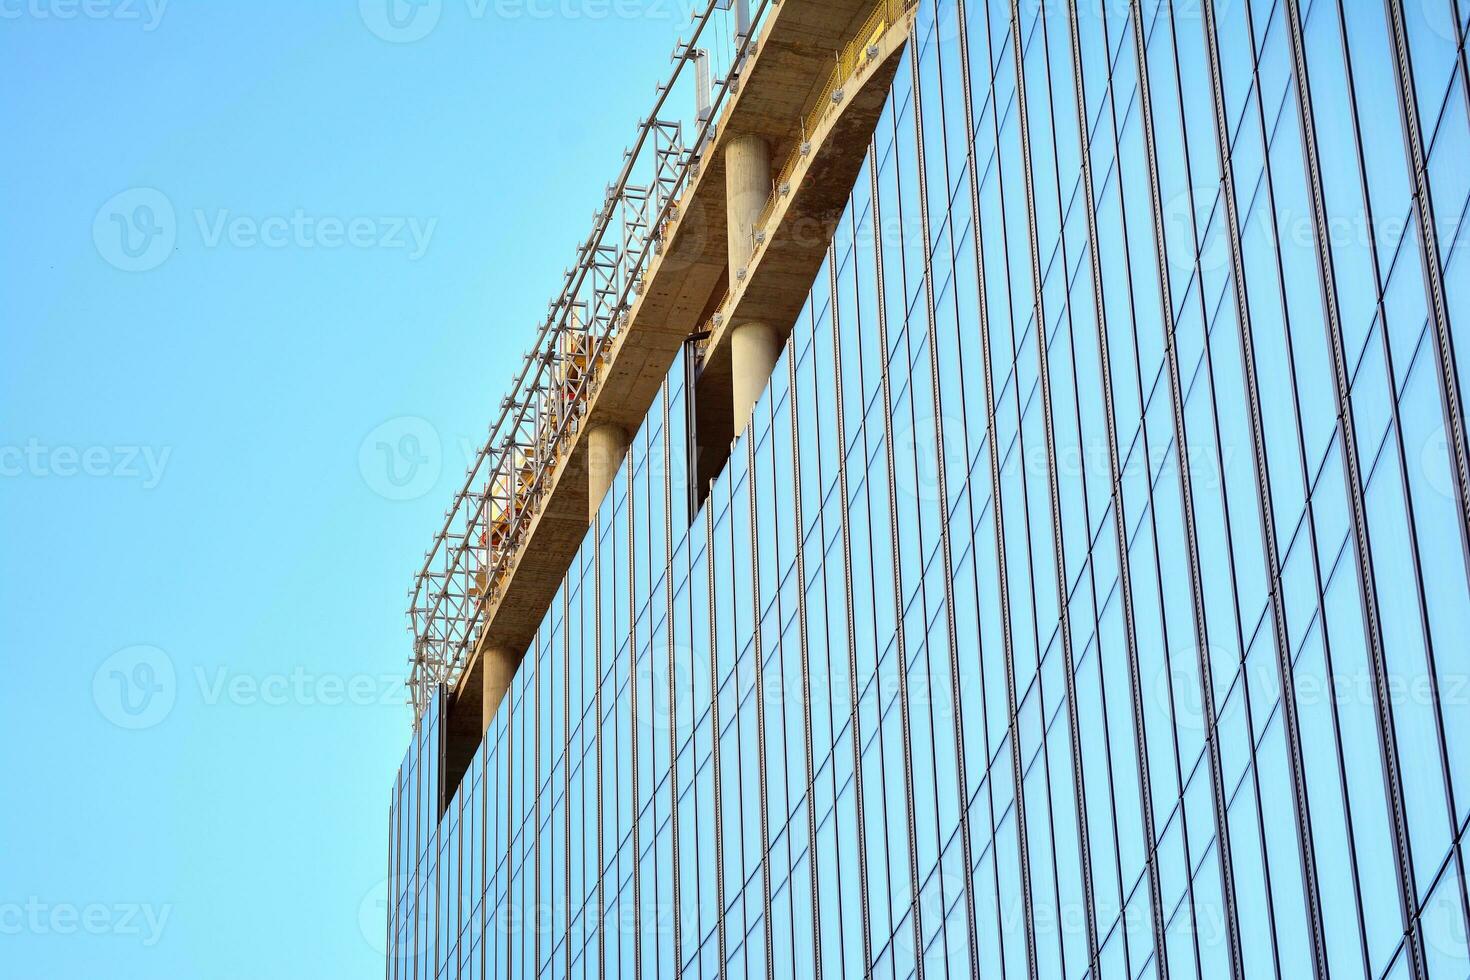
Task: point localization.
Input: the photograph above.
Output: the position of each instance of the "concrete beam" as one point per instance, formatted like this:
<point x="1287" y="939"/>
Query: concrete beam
<point x="790" y="63"/>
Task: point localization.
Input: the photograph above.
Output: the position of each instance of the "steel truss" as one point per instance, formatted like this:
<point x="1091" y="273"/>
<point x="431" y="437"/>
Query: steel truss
<point x="473" y="554"/>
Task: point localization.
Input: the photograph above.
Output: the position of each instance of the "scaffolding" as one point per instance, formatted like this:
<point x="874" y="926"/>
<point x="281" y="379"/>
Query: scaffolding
<point x="474" y="553"/>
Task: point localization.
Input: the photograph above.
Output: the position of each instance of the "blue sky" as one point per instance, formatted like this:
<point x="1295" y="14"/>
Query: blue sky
<point x="206" y="550"/>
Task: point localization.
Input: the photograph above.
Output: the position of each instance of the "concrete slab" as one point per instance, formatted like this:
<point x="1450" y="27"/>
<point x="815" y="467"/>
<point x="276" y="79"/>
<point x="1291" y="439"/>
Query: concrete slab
<point x="792" y="62"/>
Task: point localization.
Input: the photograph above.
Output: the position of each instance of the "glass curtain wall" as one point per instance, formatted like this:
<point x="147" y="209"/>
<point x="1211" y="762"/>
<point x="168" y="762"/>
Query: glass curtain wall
<point x="1089" y="593"/>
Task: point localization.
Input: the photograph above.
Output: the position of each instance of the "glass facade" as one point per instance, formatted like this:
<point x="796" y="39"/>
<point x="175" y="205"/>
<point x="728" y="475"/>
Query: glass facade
<point x="1088" y="595"/>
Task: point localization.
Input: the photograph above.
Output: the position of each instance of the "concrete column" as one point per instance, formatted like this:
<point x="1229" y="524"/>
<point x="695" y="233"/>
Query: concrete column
<point x="747" y="187"/>
<point x="607" y="444"/>
<point x="496" y="673"/>
<point x="754" y="348"/>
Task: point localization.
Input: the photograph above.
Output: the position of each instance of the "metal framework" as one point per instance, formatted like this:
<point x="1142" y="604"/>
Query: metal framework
<point x="505" y="486"/>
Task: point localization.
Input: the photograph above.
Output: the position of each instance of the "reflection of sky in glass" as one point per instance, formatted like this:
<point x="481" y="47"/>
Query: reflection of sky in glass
<point x="903" y="603"/>
<point x="823" y="560"/>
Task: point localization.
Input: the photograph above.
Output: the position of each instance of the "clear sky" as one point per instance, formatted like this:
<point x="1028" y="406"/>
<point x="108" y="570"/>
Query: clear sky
<point x="267" y="268"/>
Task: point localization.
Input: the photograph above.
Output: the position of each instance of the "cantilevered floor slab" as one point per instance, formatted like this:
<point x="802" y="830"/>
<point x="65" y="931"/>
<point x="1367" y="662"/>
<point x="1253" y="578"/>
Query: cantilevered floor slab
<point x="779" y="275"/>
<point x="792" y="61"/>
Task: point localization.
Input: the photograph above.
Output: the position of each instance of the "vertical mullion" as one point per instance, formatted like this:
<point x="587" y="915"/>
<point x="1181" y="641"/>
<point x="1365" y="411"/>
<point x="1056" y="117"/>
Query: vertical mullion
<point x="824" y="625"/>
<point x="672" y="717"/>
<point x="1430" y="264"/>
<point x="714" y="710"/>
<point x="1207" y="685"/>
<point x="1136" y="686"/>
<point x="484" y="821"/>
<point x="597" y="738"/>
<point x="391" y="907"/>
<point x="861" y="445"/>
<point x="1400" y="453"/>
<point x="634" y="804"/>
<point x="1207" y="329"/>
<point x="900" y="645"/>
<point x="1262" y="473"/>
<point x="1003" y="583"/>
<point x="1001" y="556"/>
<point x="1266" y="514"/>
<point x="536" y="808"/>
<point x="852" y="678"/>
<point x="1460" y="58"/>
<point x="1125" y="576"/>
<point x="758" y="652"/>
<point x="1354" y="479"/>
<point x="510" y="824"/>
<point x="566" y="767"/>
<point x="806" y="673"/>
<point x="952" y="648"/>
<point x="1187" y="490"/>
<point x="1084" y="841"/>
<point x="1432" y="269"/>
<point x="982" y="307"/>
<point x="457" y="873"/>
<point x="1288" y="689"/>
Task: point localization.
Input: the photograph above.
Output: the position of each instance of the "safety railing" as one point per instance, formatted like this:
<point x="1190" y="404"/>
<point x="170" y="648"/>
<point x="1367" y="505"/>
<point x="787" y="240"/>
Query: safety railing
<point x="466" y="569"/>
<point x="854" y="58"/>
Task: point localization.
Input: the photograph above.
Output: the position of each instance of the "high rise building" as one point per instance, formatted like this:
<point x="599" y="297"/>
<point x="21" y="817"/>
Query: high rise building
<point x="990" y="503"/>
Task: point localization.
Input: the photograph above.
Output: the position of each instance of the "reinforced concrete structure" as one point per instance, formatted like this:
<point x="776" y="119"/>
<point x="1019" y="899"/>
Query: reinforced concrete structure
<point x="989" y="498"/>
